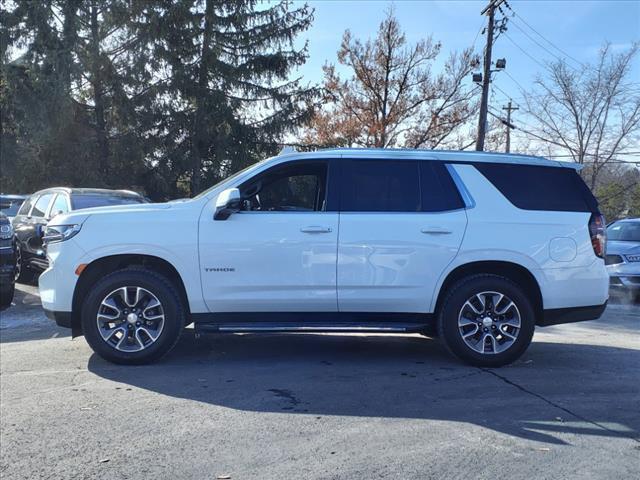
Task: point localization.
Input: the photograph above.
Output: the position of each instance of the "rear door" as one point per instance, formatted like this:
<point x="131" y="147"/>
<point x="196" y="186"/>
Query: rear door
<point x="401" y="224"/>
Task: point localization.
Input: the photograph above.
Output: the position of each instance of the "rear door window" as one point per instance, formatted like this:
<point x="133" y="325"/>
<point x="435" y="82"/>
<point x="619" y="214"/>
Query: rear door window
<point x="40" y="208"/>
<point x="439" y="192"/>
<point x="533" y="187"/>
<point x="380" y="186"/>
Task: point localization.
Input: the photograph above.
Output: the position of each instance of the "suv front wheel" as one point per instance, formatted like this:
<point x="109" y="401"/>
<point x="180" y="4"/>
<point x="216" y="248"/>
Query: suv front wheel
<point x="486" y="320"/>
<point x="132" y="316"/>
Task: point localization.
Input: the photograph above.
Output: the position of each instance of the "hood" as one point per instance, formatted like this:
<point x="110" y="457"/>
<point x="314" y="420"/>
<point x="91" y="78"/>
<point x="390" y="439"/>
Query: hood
<point x="80" y="216"/>
<point x="622" y="248"/>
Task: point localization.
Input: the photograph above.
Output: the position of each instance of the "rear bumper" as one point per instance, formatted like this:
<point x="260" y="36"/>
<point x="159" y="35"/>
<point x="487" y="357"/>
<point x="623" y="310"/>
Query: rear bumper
<point x="556" y="316"/>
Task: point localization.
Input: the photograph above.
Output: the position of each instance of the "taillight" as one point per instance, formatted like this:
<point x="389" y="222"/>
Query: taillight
<point x="598" y="234"/>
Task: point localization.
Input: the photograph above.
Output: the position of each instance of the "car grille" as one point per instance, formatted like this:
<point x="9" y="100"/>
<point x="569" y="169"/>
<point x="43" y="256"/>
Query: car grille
<point x="612" y="259"/>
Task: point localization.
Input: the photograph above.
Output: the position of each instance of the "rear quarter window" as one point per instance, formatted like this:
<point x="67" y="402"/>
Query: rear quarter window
<point x="531" y="187"/>
<point x="26" y="206"/>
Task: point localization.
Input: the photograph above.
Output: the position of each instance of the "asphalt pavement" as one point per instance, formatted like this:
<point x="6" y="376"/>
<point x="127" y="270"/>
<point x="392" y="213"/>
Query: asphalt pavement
<point x="313" y="406"/>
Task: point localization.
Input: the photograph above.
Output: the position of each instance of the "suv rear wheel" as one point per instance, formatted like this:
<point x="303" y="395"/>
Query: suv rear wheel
<point x="132" y="316"/>
<point x="487" y="320"/>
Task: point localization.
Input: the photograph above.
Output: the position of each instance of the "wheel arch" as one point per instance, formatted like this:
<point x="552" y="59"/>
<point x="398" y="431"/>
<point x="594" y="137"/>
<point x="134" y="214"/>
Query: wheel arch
<point x="100" y="267"/>
<point x="513" y="271"/>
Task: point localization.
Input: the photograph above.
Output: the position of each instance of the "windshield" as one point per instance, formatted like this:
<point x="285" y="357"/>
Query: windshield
<point x="89" y="201"/>
<point x="10" y="207"/>
<point x="228" y="179"/>
<point x="624" y="232"/>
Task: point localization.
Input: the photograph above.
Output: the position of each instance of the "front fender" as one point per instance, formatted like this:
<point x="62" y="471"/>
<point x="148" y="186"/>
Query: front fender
<point x="185" y="264"/>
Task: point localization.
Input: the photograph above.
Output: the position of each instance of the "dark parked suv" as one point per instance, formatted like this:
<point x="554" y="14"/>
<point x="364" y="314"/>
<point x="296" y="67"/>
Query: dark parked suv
<point x="7" y="261"/>
<point x="42" y="206"/>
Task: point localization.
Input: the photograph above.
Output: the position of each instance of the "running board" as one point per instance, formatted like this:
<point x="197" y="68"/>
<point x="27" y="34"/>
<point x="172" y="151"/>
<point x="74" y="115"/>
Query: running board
<point x="310" y="327"/>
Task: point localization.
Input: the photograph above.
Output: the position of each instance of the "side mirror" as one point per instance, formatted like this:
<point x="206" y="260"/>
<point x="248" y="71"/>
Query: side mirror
<point x="228" y="202"/>
<point x="39" y="231"/>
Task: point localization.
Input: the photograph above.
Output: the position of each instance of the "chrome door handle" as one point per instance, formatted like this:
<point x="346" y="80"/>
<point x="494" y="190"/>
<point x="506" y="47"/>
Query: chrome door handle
<point x="315" y="229"/>
<point x="435" y="231"/>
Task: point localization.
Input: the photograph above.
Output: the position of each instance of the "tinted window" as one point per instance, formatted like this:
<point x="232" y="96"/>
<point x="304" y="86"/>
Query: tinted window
<point x="439" y="192"/>
<point x="40" y="208"/>
<point x="10" y="207"/>
<point x="80" y="201"/>
<point x="59" y="205"/>
<point x="540" y="188"/>
<point x="380" y="186"/>
<point x="624" y="232"/>
<point x="26" y="206"/>
<point x="297" y="187"/>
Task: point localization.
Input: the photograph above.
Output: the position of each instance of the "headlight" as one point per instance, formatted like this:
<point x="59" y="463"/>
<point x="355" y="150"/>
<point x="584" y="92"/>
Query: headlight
<point x="6" y="231"/>
<point x="59" y="233"/>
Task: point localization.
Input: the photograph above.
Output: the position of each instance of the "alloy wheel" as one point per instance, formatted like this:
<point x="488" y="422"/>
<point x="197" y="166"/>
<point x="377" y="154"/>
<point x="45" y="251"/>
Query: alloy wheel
<point x="130" y="319"/>
<point x="489" y="322"/>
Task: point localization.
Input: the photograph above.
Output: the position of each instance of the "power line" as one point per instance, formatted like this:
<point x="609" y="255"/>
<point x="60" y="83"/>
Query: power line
<point x="544" y="38"/>
<point x="524" y="51"/>
<point x="522" y="89"/>
<point x="506" y="95"/>
<point x="473" y="45"/>
<point x="543" y="47"/>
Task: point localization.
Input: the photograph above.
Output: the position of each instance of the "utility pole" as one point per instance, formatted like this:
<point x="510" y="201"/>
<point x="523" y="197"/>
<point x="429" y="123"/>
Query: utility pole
<point x="509" y="125"/>
<point x="486" y="78"/>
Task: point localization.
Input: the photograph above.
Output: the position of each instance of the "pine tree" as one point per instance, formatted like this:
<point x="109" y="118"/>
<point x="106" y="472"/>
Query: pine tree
<point x="223" y="97"/>
<point x="66" y="97"/>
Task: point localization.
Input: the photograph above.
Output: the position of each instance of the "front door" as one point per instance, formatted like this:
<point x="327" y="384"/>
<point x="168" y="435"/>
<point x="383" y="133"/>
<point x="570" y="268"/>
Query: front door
<point x="279" y="253"/>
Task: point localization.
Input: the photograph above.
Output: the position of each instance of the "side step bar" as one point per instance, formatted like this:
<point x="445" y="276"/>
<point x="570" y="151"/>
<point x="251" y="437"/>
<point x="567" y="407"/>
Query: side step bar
<point x="310" y="327"/>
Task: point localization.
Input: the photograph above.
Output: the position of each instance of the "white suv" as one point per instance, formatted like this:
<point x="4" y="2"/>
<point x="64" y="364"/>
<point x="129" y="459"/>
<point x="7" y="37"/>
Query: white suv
<point x="475" y="248"/>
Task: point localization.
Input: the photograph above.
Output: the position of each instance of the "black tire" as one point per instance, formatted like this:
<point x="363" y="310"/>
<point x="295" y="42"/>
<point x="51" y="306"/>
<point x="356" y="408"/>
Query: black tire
<point x="23" y="275"/>
<point x="452" y="306"/>
<point x="6" y="295"/>
<point x="158" y="285"/>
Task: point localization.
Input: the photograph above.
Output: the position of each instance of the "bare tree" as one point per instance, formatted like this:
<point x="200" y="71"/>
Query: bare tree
<point x="392" y="96"/>
<point x="593" y="114"/>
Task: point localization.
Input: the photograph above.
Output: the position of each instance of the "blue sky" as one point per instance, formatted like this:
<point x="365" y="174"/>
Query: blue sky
<point x="577" y="27"/>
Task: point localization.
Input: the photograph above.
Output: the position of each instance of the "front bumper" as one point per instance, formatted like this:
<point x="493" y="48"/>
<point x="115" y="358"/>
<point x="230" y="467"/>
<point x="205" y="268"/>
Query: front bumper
<point x="622" y="282"/>
<point x="556" y="316"/>
<point x="7" y="264"/>
<point x="624" y="276"/>
<point x="62" y="319"/>
<point x="58" y="282"/>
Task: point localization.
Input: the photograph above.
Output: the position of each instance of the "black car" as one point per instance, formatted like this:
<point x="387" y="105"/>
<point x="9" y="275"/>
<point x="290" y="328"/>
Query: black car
<point x="7" y="261"/>
<point x="42" y="206"/>
<point x="10" y="204"/>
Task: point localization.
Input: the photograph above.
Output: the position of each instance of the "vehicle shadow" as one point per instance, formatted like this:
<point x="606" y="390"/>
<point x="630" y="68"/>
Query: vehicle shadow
<point x="554" y="390"/>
